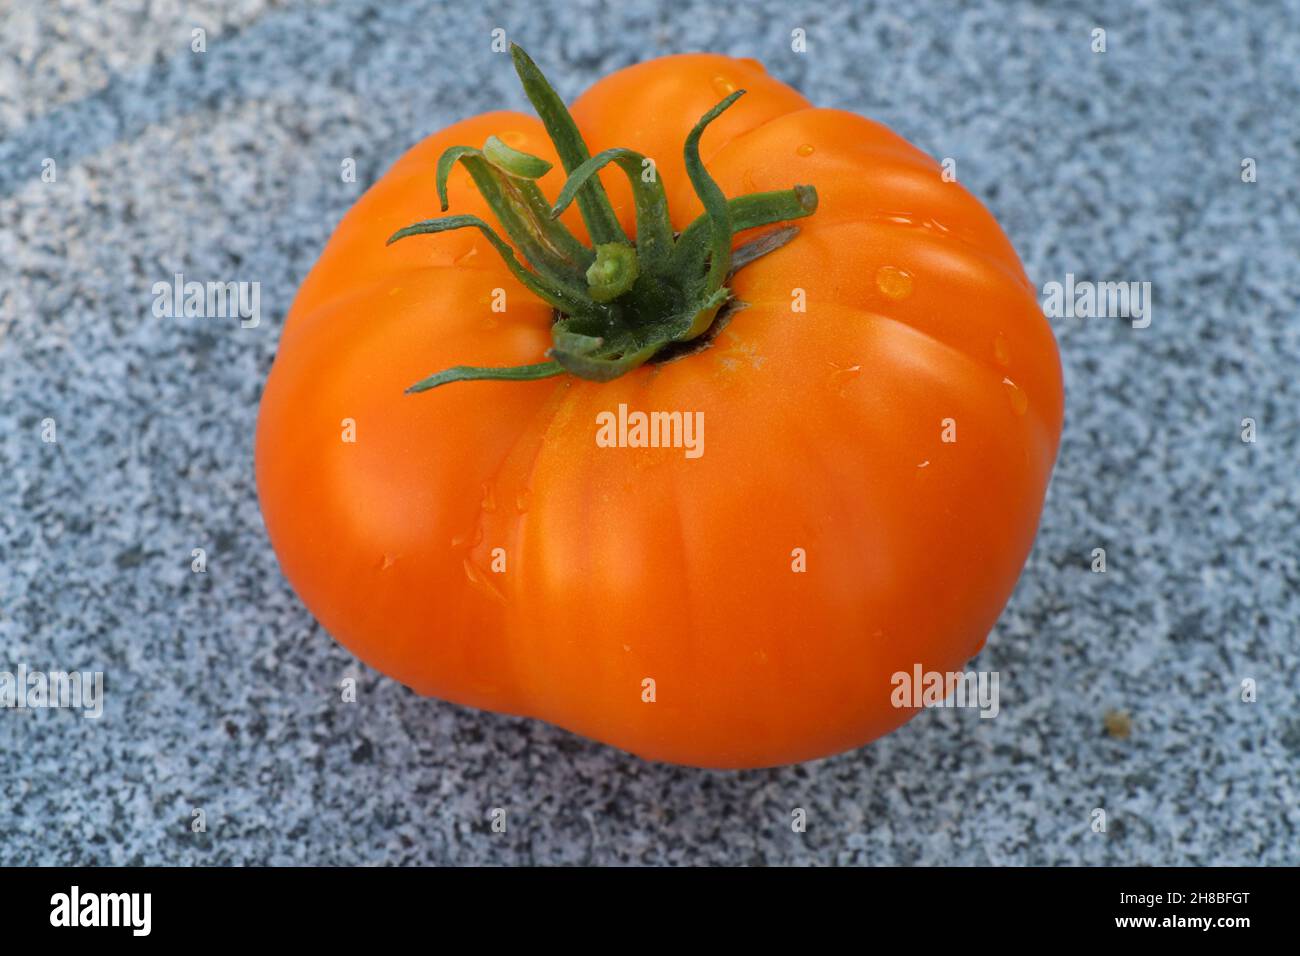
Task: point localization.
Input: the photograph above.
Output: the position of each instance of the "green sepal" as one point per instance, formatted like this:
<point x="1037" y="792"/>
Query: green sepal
<point x="593" y="203"/>
<point x="654" y="230"/>
<point x="472" y="373"/>
<point x="514" y="162"/>
<point x="564" y="299"/>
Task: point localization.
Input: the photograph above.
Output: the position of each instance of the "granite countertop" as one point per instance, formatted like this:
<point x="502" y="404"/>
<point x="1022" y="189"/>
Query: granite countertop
<point x="221" y="692"/>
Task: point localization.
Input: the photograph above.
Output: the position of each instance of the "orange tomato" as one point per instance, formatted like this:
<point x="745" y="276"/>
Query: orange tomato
<point x="746" y="607"/>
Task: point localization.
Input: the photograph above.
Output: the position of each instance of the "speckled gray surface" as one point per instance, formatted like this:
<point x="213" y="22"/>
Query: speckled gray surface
<point x="222" y="691"/>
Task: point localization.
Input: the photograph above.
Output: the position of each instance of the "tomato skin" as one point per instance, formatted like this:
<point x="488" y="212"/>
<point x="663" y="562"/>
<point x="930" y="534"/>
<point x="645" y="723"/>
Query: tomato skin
<point x="823" y="432"/>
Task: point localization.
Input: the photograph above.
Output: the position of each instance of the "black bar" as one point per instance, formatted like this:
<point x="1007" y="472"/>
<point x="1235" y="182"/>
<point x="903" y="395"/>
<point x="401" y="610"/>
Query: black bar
<point x="332" y="905"/>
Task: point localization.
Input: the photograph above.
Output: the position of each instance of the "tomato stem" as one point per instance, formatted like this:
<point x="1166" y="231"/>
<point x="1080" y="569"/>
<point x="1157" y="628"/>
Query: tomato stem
<point x="621" y="304"/>
<point x="614" y="272"/>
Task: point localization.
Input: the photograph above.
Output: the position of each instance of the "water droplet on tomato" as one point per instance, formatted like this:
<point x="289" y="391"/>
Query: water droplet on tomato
<point x="522" y="500"/>
<point x="1001" y="351"/>
<point x="723" y="85"/>
<point x="806" y="149"/>
<point x="894" y="282"/>
<point x="1019" y="400"/>
<point x="489" y="502"/>
<point x="842" y="376"/>
<point x="461" y="540"/>
<point x="513" y="138"/>
<point x="483" y="581"/>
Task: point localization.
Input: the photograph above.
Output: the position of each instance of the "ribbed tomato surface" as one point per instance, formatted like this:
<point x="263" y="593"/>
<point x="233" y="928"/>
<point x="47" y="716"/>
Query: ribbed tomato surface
<point x="824" y="437"/>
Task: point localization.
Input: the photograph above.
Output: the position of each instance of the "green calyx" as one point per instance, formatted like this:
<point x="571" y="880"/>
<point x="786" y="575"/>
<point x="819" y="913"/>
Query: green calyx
<point x="623" y="302"/>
